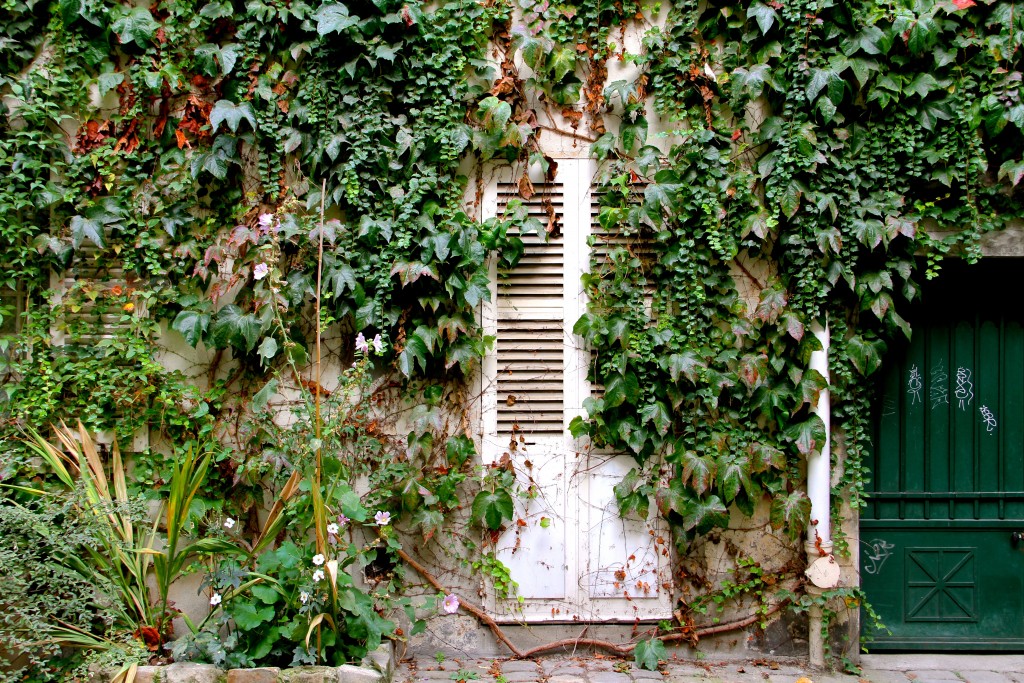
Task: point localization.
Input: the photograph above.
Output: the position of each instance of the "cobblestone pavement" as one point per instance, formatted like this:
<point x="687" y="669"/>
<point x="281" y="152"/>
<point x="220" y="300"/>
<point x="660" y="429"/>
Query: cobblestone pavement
<point x="594" y="669"/>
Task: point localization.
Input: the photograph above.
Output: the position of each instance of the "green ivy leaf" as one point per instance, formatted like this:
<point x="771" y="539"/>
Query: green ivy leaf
<point x="83" y="228"/>
<point x="648" y="653"/>
<point x="137" y="26"/>
<point x="773" y="301"/>
<point x="430" y="522"/>
<point x="232" y="114"/>
<point x="229" y="55"/>
<point x="658" y="414"/>
<point x="192" y="325"/>
<point x="789" y="201"/>
<point x="236" y="328"/>
<point x="704" y="514"/>
<point x="698" y="470"/>
<point x="621" y="388"/>
<point x="764" y="15"/>
<point x="686" y="364"/>
<point x="923" y="34"/>
<point x="672" y="498"/>
<point x="108" y="80"/>
<point x="333" y="18"/>
<point x="633" y="133"/>
<point x="764" y="458"/>
<point x="217" y="159"/>
<point x="492" y="508"/>
<point x="733" y="475"/>
<point x="633" y="495"/>
<point x="790" y="511"/>
<point x="809" y="435"/>
<point x="865" y="354"/>
<point x="494" y="113"/>
<point x="604" y="146"/>
<point x="563" y="61"/>
<point x="414" y="354"/>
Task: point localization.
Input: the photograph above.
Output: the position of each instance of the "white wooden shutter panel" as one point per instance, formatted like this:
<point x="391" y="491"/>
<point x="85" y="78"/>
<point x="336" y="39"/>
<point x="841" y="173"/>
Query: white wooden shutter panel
<point x="626" y="567"/>
<point x="573" y="557"/>
<point x="638" y="244"/>
<point x="531" y="328"/>
<point x="528" y="401"/>
<point x="85" y="320"/>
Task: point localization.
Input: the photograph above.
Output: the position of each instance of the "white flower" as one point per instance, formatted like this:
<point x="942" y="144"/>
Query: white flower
<point x="215" y="599"/>
<point x="318" y="575"/>
<point x="450" y="604"/>
<point x="362" y="345"/>
<point x="303" y="597"/>
<point x="318" y="559"/>
<point x="266" y="220"/>
<point x="260" y="271"/>
<point x="382" y="518"/>
<point x="229" y="523"/>
<point x="332" y="528"/>
<point x="378" y="344"/>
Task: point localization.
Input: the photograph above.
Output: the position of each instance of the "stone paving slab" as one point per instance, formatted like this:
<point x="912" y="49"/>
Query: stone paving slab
<point x="589" y="668"/>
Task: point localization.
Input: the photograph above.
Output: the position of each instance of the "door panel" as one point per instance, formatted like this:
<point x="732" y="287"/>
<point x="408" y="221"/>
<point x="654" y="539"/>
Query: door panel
<point x="938" y="559"/>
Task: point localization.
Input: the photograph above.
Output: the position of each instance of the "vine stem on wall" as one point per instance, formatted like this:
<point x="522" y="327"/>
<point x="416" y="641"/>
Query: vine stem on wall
<point x="623" y="649"/>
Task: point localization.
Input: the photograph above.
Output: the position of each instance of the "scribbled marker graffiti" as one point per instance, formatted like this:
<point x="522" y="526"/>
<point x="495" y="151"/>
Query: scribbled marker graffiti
<point x="964" y="388"/>
<point x="988" y="418"/>
<point x="915" y="385"/>
<point x="938" y="392"/>
<point x="876" y="557"/>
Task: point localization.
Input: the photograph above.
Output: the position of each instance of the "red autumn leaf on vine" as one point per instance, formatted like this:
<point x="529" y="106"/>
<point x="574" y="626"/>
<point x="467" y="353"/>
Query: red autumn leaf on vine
<point x="129" y="140"/>
<point x="407" y="16"/>
<point x="964" y="4"/>
<point x="93" y="134"/>
<point x="195" y="117"/>
<point x="736" y="134"/>
<point x="183" y="142"/>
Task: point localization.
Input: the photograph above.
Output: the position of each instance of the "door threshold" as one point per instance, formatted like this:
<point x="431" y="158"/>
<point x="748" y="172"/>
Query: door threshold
<point x="1004" y="663"/>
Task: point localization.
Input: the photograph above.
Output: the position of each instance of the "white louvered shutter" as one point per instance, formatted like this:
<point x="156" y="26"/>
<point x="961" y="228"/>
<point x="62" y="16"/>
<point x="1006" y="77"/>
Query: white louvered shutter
<point x="567" y="547"/>
<point x="626" y="562"/>
<point x="87" y="319"/>
<point x="532" y="383"/>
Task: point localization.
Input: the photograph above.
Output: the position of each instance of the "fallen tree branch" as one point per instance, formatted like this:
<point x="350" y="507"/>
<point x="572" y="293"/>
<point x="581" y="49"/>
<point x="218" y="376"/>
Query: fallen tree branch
<point x="622" y="649"/>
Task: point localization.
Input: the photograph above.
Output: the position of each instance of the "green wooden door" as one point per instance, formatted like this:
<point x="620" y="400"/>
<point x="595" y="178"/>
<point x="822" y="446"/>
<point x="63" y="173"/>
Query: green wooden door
<point x="938" y="557"/>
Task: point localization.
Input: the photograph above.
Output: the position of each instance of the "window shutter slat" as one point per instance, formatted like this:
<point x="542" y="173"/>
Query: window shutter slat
<point x="530" y="327"/>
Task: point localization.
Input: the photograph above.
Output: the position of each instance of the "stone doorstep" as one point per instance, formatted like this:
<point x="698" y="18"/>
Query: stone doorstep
<point x="377" y="667"/>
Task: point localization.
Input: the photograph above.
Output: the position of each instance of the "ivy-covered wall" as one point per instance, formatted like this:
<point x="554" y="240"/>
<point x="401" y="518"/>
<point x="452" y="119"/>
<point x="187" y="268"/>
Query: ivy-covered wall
<point x="197" y="168"/>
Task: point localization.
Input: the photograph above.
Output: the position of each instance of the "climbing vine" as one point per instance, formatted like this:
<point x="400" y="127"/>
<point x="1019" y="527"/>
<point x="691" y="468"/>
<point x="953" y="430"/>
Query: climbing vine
<point x="211" y="169"/>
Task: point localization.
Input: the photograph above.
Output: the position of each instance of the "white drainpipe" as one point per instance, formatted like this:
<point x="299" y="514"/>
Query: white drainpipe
<point x="819" y="484"/>
<point x="822" y="570"/>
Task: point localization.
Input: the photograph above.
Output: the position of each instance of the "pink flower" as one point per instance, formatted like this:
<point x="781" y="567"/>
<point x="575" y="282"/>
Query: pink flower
<point x="450" y="604"/>
<point x="260" y="271"/>
<point x="362" y="345"/>
<point x="378" y="344"/>
<point x="266" y="220"/>
<point x="382" y="518"/>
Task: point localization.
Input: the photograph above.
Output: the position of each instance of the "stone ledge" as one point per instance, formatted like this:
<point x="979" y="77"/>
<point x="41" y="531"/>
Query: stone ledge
<point x="377" y="667"/>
